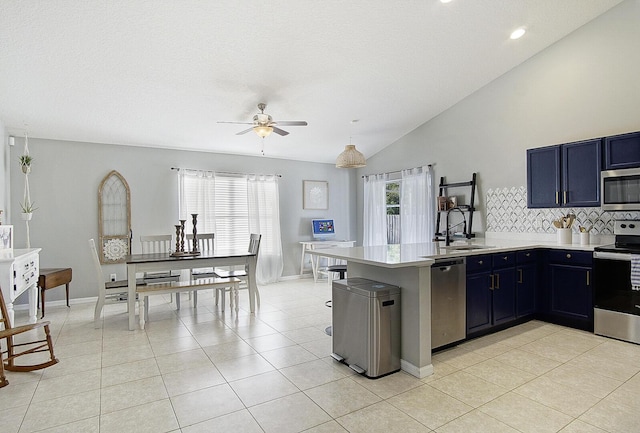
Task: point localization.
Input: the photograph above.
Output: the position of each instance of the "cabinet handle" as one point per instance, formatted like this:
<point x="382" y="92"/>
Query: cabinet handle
<point x="497" y="281"/>
<point x="519" y="276"/>
<point x="568" y="255"/>
<point x="505" y="258"/>
<point x="480" y="262"/>
<point x="588" y="278"/>
<point x="564" y="197"/>
<point x="557" y="197"/>
<point x="527" y="254"/>
<point x="491" y="284"/>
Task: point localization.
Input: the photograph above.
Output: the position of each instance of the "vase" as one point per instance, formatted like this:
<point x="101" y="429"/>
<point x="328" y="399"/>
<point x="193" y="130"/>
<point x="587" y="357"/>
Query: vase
<point x="26" y="169"/>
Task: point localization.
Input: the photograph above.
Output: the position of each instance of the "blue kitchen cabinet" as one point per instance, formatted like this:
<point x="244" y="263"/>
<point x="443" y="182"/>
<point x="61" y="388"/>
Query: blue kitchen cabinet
<point x="527" y="269"/>
<point x="622" y="151"/>
<point x="479" y="298"/>
<point x="569" y="297"/>
<point x="490" y="291"/>
<point x="543" y="177"/>
<point x="566" y="175"/>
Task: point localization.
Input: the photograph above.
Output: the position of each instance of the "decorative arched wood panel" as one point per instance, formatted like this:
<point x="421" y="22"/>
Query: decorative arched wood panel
<point x="114" y="215"/>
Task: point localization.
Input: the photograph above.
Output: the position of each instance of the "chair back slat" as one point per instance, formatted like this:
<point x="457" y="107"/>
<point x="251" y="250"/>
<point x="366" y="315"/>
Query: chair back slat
<point x="96" y="262"/>
<point x="205" y="241"/>
<point x="155" y="244"/>
<point x="254" y="243"/>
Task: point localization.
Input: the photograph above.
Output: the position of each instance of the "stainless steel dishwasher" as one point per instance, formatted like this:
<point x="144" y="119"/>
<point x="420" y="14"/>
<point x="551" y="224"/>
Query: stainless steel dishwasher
<point x="448" y="301"/>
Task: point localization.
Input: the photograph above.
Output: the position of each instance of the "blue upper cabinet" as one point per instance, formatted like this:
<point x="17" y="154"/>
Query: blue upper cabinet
<point x="622" y="151"/>
<point x="566" y="175"/>
<point x="581" y="165"/>
<point x="543" y="177"/>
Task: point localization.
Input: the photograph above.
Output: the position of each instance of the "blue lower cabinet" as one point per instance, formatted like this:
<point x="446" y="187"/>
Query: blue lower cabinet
<point x="569" y="294"/>
<point x="479" y="311"/>
<point x="526" y="293"/>
<point x="490" y="291"/>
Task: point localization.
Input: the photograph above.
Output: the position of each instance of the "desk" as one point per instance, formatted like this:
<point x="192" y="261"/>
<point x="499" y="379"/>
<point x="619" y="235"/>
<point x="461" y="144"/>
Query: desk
<point x="163" y="261"/>
<point x="19" y="270"/>
<point x="50" y="278"/>
<point x="308" y="246"/>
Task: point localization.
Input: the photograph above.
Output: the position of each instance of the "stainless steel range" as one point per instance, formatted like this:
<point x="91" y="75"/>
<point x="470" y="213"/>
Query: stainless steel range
<point x="616" y="303"/>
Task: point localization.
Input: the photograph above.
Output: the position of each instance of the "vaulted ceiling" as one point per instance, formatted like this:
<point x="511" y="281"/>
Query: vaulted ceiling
<point x="162" y="73"/>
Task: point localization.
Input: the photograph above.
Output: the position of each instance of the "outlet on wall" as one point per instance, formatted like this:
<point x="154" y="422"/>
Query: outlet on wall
<point x="112" y="277"/>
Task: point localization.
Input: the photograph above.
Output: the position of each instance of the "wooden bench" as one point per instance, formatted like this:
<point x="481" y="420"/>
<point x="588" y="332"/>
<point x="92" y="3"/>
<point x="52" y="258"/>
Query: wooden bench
<point x="184" y="286"/>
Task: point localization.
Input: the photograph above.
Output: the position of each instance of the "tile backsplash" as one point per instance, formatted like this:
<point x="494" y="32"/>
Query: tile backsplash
<point x="507" y="212"/>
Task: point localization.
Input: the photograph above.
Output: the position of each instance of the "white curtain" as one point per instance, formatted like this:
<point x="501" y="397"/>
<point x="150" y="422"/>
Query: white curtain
<point x="375" y="209"/>
<point x="264" y="218"/>
<point x="196" y="195"/>
<point x="417" y="206"/>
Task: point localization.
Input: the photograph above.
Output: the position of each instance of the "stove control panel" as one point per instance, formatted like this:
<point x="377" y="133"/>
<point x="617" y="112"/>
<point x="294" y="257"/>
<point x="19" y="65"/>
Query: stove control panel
<point x="627" y="227"/>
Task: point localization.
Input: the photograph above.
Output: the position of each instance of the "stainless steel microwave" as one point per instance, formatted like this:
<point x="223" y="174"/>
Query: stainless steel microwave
<point x="620" y="189"/>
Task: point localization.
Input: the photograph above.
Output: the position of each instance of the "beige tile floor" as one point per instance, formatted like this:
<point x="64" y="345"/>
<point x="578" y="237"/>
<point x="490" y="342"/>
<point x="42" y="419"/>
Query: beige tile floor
<point x="201" y="370"/>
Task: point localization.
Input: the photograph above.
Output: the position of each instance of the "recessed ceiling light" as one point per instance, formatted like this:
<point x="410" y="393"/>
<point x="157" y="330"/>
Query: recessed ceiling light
<point x="517" y="33"/>
<point x="445" y="1"/>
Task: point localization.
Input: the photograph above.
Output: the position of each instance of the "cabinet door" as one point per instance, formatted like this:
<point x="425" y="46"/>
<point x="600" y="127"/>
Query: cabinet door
<point x="504" y="295"/>
<point x="622" y="151"/>
<point x="543" y="177"/>
<point x="478" y="302"/>
<point x="527" y="279"/>
<point x="581" y="165"/>
<point x="570" y="294"/>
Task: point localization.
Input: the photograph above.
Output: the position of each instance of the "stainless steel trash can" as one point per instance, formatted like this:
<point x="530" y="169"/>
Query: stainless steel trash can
<point x="366" y="326"/>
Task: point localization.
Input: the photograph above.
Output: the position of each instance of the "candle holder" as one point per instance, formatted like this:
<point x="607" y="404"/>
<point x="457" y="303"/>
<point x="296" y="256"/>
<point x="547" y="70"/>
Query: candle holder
<point x="182" y="235"/>
<point x="177" y="226"/>
<point x="194" y="217"/>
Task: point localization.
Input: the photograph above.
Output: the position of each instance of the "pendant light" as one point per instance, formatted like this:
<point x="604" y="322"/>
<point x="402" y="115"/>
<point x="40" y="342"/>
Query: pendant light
<point x="350" y="156"/>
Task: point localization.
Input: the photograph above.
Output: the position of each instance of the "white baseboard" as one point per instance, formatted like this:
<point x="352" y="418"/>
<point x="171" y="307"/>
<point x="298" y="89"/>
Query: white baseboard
<point x="418" y="372"/>
<point x="63" y="302"/>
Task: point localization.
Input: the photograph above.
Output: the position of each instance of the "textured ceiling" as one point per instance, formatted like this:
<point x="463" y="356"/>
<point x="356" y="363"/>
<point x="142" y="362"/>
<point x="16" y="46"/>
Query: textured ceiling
<point x="161" y="73"/>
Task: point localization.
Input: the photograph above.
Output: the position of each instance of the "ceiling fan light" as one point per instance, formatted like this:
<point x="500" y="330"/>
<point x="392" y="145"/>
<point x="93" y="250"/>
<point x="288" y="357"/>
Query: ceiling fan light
<point x="351" y="158"/>
<point x="263" y="131"/>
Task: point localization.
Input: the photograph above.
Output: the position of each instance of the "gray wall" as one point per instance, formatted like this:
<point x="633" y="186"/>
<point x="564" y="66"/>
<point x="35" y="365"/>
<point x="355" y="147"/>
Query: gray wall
<point x="4" y="175"/>
<point x="64" y="186"/>
<point x="584" y="86"/>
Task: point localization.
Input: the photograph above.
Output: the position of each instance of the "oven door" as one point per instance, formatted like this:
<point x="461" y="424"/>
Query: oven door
<point x="612" y="283"/>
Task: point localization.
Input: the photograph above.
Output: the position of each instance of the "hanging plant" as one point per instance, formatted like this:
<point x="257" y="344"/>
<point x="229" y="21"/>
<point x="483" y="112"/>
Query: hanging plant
<point x="25" y="163"/>
<point x="28" y="207"/>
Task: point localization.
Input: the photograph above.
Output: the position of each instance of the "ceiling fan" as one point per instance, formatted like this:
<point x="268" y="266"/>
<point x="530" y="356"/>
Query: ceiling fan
<point x="263" y="124"/>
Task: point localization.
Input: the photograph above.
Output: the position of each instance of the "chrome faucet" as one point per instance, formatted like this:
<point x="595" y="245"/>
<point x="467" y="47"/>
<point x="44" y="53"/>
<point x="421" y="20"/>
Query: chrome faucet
<point x="447" y="236"/>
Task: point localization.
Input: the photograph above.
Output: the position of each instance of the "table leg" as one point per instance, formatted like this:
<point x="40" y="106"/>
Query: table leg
<point x="67" y="299"/>
<point x="42" y="301"/>
<point x="251" y="283"/>
<point x="131" y="295"/>
<point x="33" y="304"/>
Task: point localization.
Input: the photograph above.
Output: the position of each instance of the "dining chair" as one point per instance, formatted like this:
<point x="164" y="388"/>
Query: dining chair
<point x="112" y="291"/>
<point x="158" y="244"/>
<point x="205" y="243"/>
<point x="254" y="248"/>
<point x="8" y="333"/>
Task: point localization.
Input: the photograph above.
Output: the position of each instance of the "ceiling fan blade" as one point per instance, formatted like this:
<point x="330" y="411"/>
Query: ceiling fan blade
<point x="237" y="123"/>
<point x="244" y="132"/>
<point x="291" y="123"/>
<point x="279" y="131"/>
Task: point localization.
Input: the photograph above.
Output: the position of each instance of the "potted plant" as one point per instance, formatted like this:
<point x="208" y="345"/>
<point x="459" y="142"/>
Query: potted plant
<point x="27" y="210"/>
<point x="25" y="163"/>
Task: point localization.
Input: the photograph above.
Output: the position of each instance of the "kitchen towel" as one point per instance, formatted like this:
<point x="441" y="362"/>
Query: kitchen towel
<point x="635" y="272"/>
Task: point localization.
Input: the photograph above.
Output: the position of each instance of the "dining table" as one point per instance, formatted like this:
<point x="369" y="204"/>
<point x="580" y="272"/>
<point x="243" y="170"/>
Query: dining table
<point x="150" y="262"/>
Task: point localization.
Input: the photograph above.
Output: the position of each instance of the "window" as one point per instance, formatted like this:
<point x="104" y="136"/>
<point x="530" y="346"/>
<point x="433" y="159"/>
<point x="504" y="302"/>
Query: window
<point x="393" y="211"/>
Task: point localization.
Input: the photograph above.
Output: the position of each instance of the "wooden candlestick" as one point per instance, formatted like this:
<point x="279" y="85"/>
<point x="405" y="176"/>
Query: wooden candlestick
<point x="182" y="235"/>
<point x="194" y="217"/>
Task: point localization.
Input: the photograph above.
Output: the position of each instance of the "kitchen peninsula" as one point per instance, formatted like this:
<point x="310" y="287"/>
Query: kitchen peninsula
<point x="409" y="267"/>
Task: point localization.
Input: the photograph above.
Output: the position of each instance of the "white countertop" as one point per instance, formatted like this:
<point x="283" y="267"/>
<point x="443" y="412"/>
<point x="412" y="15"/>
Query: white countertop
<point x="403" y="255"/>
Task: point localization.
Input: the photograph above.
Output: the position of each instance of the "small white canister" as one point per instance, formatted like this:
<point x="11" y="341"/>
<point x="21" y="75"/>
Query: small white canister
<point x="585" y="238"/>
<point x="564" y="236"/>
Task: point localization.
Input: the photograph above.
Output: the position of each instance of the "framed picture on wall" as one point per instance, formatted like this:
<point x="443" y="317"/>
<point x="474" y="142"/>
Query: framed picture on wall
<point x="315" y="194"/>
<point x="6" y="237"/>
